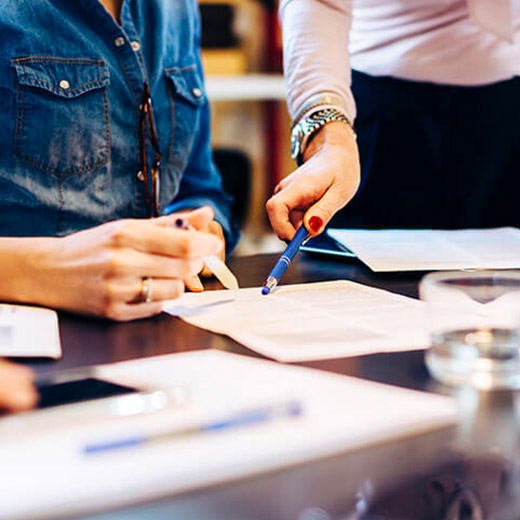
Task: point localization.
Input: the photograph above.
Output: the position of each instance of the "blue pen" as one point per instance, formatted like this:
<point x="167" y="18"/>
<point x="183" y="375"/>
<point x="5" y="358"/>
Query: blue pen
<point x="245" y="418"/>
<point x="284" y="261"/>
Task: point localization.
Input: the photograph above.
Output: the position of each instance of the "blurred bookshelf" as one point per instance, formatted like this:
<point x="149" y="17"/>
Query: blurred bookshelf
<point x="241" y="55"/>
<point x="245" y="87"/>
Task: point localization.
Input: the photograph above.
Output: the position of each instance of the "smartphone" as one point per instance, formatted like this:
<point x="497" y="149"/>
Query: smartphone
<point x="78" y="391"/>
<point x="84" y="396"/>
<point x="324" y="244"/>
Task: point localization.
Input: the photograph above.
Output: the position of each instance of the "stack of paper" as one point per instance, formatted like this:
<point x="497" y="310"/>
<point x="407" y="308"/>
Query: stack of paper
<point x="309" y="321"/>
<point x="49" y="475"/>
<point x="428" y="250"/>
<point x="28" y="332"/>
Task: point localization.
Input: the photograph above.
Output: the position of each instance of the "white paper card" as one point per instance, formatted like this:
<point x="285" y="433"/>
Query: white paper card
<point x="29" y="332"/>
<point x="48" y="475"/>
<point x="309" y="321"/>
<point x="430" y="250"/>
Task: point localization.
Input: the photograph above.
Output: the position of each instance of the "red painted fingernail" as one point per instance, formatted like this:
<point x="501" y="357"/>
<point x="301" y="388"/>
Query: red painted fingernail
<point x="315" y="224"/>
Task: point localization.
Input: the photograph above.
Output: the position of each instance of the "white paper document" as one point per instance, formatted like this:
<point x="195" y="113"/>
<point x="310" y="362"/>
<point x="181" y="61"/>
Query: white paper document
<point x="28" y="332"/>
<point x="309" y="321"/>
<point x="430" y="250"/>
<point x="48" y="475"/>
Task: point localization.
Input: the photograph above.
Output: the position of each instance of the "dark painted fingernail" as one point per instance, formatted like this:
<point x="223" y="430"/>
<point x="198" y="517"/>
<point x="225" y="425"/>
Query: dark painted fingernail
<point x="315" y="224"/>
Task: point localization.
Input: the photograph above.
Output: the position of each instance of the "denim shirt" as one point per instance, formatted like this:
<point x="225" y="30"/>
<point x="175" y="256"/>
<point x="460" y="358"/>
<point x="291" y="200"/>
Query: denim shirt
<point x="71" y="83"/>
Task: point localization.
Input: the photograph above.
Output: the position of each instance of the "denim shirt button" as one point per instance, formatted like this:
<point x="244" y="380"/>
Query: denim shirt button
<point x="140" y="175"/>
<point x="64" y="84"/>
<point x="197" y="92"/>
<point x="136" y="46"/>
<point x="119" y="42"/>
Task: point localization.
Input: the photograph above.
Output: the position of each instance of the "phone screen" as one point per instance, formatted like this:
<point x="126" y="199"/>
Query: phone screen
<point x="325" y="244"/>
<point x="79" y="390"/>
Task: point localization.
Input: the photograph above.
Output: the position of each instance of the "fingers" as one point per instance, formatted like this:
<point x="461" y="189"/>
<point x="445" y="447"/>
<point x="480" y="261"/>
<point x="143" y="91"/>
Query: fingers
<point x="17" y="391"/>
<point x="280" y="209"/>
<point x="194" y="284"/>
<point x="320" y="187"/>
<point x="105" y="266"/>
<point x="199" y="218"/>
<point x="334" y="198"/>
<point x="121" y="311"/>
<point x="151" y="237"/>
<point x="124" y="298"/>
<point x="296" y="217"/>
<point x="320" y="213"/>
<point x="127" y="263"/>
<point x="130" y="290"/>
<point x="216" y="229"/>
<point x="181" y="243"/>
<point x="284" y="183"/>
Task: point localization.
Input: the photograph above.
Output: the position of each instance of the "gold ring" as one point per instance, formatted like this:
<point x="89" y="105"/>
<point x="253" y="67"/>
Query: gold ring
<point x="146" y="290"/>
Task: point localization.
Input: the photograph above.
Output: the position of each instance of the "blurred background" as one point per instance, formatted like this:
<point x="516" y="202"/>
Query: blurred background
<point x="242" y="58"/>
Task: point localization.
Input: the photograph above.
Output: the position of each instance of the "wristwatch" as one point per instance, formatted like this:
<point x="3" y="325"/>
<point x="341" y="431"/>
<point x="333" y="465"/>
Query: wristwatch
<point x="306" y="127"/>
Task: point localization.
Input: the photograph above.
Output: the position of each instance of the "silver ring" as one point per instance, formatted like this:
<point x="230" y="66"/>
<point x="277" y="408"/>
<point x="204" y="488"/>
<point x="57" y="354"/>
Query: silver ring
<point x="146" y="290"/>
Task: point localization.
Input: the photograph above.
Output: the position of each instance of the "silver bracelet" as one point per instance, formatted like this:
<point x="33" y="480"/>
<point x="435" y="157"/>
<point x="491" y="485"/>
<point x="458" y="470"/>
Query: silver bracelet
<point x="322" y="100"/>
<point x="308" y="126"/>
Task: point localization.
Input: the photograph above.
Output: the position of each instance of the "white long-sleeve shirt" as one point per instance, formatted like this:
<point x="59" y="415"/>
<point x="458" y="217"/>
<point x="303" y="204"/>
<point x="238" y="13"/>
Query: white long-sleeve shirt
<point x="434" y="41"/>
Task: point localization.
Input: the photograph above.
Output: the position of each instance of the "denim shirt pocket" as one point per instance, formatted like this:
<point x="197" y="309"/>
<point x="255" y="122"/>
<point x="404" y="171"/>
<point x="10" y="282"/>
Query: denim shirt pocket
<point x="186" y="97"/>
<point x="62" y="124"/>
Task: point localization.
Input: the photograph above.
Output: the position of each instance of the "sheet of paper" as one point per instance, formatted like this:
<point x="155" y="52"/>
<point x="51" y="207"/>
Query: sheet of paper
<point x="49" y="476"/>
<point x="309" y="321"/>
<point x="429" y="250"/>
<point x="29" y="332"/>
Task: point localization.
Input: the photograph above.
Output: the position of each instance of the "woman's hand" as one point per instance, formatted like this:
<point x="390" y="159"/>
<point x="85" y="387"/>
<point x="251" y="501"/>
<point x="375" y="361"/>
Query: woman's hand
<point x="326" y="181"/>
<point x="102" y="271"/>
<point x="17" y="391"/>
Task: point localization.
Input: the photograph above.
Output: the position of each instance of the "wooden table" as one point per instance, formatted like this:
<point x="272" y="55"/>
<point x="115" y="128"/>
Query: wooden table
<point x="486" y="441"/>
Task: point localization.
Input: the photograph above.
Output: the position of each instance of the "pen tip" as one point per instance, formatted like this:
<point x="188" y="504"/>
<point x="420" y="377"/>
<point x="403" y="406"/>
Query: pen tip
<point x="265" y="290"/>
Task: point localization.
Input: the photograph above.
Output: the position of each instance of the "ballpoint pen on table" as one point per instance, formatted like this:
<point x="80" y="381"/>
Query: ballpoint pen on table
<point x="289" y="409"/>
<point x="213" y="262"/>
<point x="284" y="261"/>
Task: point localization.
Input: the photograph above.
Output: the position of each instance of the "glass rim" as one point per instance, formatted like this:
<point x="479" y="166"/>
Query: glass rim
<point x="496" y="275"/>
